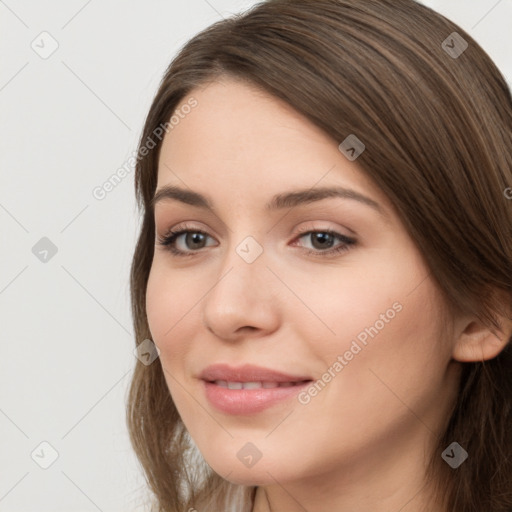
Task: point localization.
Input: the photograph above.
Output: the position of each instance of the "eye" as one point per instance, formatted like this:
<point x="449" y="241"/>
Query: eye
<point x="190" y="240"/>
<point x="322" y="242"/>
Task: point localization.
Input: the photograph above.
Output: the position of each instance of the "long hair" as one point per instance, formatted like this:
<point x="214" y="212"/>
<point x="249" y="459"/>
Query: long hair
<point x="435" y="115"/>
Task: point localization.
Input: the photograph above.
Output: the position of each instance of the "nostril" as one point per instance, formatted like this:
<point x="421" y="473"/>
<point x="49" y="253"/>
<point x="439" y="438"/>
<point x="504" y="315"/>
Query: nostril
<point x="249" y="327"/>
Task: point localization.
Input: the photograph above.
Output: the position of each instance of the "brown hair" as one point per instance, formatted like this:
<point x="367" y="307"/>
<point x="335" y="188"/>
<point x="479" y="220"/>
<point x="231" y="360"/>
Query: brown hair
<point x="438" y="133"/>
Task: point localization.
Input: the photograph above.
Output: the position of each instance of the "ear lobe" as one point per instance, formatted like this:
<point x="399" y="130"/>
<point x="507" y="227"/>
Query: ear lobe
<point x="478" y="343"/>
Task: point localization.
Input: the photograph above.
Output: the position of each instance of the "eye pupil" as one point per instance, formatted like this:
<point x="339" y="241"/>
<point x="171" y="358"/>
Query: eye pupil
<point x="324" y="239"/>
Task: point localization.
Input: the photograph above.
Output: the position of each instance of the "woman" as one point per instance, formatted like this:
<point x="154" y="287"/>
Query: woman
<point x="324" y="266"/>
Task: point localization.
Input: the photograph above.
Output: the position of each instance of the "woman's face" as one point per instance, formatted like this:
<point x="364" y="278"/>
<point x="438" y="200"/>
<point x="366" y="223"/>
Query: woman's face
<point x="327" y="290"/>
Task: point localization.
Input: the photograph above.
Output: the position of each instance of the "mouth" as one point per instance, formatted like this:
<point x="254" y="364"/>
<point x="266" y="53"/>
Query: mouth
<point x="256" y="385"/>
<point x="248" y="389"/>
<point x="248" y="374"/>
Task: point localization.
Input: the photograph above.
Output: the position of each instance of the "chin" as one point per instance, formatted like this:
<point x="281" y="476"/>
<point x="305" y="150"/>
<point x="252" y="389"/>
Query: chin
<point x="264" y="471"/>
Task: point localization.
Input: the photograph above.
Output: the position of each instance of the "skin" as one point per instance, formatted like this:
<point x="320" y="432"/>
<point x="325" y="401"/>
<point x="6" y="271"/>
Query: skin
<point x="362" y="443"/>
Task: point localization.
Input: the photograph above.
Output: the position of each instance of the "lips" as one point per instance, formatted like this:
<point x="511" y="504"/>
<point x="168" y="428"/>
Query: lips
<point x="248" y="389"/>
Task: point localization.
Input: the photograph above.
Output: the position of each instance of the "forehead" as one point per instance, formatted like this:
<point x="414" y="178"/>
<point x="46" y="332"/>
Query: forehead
<point x="241" y="138"/>
<point x="233" y="116"/>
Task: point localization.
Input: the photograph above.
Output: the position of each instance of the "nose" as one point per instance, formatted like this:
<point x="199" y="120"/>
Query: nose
<point x="243" y="300"/>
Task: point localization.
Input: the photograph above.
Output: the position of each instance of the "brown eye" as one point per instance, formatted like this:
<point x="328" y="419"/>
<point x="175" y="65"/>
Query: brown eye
<point x="184" y="242"/>
<point x="194" y="240"/>
<point x="322" y="242"/>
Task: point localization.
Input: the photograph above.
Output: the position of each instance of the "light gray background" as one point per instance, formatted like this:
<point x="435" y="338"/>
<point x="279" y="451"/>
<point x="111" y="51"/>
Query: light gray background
<point x="67" y="123"/>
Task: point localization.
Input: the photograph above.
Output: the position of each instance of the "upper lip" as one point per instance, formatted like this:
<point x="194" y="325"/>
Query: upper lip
<point x="247" y="373"/>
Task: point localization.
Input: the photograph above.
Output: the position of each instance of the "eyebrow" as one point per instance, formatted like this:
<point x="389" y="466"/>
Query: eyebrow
<point x="279" y="201"/>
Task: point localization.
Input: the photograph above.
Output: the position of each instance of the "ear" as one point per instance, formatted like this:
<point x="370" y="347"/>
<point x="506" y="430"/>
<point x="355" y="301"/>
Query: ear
<point x="476" y="342"/>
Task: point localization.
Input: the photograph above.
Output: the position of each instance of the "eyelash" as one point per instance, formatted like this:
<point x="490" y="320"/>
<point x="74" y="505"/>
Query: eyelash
<point x="168" y="241"/>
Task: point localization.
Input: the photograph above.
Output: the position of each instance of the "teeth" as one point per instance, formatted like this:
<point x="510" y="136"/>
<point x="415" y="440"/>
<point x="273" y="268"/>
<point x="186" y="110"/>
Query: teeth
<point x="253" y="385"/>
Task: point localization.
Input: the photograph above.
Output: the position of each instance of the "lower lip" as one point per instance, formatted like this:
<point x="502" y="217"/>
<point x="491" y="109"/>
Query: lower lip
<point x="248" y="401"/>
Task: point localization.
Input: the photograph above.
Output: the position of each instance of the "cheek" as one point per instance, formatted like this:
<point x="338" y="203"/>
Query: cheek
<point x="170" y="309"/>
<point x="351" y="299"/>
<point x="170" y="300"/>
<point x="383" y="319"/>
<point x="387" y="369"/>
